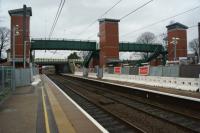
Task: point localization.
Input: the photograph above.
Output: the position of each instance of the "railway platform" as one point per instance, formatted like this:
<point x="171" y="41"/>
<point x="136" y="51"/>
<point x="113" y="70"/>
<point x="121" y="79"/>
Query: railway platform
<point x="165" y="90"/>
<point x="148" y="110"/>
<point x="43" y="107"/>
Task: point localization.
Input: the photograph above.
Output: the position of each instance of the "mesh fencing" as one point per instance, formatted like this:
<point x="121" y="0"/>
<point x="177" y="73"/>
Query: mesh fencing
<point x="6" y="74"/>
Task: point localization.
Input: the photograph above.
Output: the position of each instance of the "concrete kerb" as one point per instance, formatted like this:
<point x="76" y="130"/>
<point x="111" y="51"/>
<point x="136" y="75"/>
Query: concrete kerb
<point x="143" y="89"/>
<point x="190" y="84"/>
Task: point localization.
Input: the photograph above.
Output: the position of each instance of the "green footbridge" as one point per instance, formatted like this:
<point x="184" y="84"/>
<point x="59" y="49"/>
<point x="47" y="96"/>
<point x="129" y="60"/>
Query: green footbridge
<point x="93" y="48"/>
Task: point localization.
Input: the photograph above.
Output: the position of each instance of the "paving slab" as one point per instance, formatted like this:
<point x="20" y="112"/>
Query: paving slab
<point x="43" y="108"/>
<point x="18" y="114"/>
<point x="79" y="122"/>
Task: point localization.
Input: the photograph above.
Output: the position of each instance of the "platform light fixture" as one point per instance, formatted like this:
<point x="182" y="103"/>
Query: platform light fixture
<point x="175" y="42"/>
<point x="15" y="33"/>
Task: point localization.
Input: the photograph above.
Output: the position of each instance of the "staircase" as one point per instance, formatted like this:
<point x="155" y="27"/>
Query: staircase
<point x="156" y="53"/>
<point x="87" y="59"/>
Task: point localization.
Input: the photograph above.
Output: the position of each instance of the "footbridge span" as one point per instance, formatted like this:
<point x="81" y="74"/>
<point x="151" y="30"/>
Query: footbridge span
<point x="94" y="47"/>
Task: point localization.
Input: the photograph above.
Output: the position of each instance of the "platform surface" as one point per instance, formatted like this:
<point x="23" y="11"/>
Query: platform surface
<point x="170" y="91"/>
<point x="44" y="108"/>
<point x="19" y="112"/>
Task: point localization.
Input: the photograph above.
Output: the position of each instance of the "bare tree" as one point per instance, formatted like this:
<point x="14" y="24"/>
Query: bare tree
<point x="146" y="38"/>
<point x="194" y="45"/>
<point x="4" y="39"/>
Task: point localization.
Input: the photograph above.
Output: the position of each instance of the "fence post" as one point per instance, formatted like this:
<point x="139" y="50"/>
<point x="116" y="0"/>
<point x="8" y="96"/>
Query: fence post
<point x="199" y="83"/>
<point x="85" y="72"/>
<point x="100" y="73"/>
<point x="31" y="72"/>
<point x="13" y="78"/>
<point x="3" y="78"/>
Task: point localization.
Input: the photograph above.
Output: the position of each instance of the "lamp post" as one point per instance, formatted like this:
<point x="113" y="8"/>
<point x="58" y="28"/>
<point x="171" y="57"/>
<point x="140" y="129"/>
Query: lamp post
<point x="24" y="34"/>
<point x="199" y="40"/>
<point x="174" y="42"/>
<point x="15" y="33"/>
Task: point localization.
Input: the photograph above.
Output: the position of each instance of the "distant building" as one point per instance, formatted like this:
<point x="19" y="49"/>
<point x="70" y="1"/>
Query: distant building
<point x="17" y="21"/>
<point x="177" y="30"/>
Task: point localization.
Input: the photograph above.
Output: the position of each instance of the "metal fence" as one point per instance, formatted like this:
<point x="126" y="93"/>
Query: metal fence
<point x="23" y="77"/>
<point x="124" y="70"/>
<point x="165" y="71"/>
<point x="192" y="71"/>
<point x="35" y="71"/>
<point x="5" y="79"/>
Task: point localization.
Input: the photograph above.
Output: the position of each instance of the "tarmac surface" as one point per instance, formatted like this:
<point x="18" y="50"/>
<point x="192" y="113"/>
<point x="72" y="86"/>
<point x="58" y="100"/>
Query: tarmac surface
<point x="41" y="108"/>
<point x="18" y="114"/>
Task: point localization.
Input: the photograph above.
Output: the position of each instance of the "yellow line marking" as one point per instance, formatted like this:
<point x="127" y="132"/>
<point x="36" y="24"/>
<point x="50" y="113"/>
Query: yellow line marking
<point x="93" y="121"/>
<point x="63" y="123"/>
<point x="45" y="113"/>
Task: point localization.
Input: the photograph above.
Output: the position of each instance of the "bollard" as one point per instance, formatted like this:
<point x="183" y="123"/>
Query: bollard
<point x="100" y="73"/>
<point x="97" y="70"/>
<point x="85" y="72"/>
<point x="199" y="84"/>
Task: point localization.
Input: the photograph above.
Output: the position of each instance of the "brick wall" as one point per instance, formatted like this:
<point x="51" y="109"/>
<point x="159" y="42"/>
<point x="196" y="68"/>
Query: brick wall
<point x="109" y="41"/>
<point x="18" y="20"/>
<point x="181" y="47"/>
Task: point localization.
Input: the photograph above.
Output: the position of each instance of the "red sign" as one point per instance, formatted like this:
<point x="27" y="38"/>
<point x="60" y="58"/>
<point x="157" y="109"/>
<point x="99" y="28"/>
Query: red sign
<point x="144" y="70"/>
<point x="117" y="70"/>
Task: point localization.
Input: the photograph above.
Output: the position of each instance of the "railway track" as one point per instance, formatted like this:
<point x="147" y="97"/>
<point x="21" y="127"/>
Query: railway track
<point x="178" y="122"/>
<point x="108" y="120"/>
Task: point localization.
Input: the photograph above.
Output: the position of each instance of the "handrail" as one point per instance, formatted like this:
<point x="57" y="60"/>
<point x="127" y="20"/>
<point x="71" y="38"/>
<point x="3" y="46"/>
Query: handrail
<point x="56" y="60"/>
<point x="61" y="39"/>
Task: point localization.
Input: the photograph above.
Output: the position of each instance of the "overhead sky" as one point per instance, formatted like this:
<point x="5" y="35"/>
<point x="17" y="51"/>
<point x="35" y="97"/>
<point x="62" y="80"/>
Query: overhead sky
<point x="78" y="14"/>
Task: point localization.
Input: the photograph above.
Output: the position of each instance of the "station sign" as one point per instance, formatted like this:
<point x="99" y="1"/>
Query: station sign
<point x="144" y="70"/>
<point x="117" y="70"/>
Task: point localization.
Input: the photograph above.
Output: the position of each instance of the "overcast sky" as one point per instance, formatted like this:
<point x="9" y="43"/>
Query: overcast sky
<point x="78" y="14"/>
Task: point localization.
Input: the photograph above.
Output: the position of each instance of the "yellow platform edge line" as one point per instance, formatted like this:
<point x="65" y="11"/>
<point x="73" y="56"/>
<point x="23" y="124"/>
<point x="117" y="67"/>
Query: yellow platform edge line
<point x="45" y="112"/>
<point x="63" y="123"/>
<point x="100" y="127"/>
